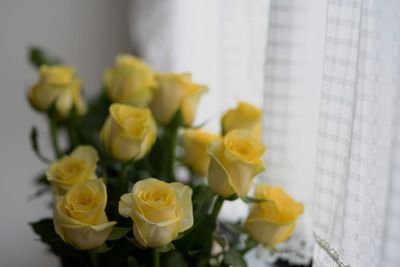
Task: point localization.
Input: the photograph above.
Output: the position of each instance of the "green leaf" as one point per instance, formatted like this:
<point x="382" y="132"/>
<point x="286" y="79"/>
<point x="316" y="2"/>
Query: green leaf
<point x="45" y="229"/>
<point x="118" y="233"/>
<point x="249" y="245"/>
<point x="175" y="259"/>
<point x="234" y="258"/>
<point x="199" y="234"/>
<point x="231" y="198"/>
<point x="102" y="249"/>
<point x="120" y="253"/>
<point x="202" y="194"/>
<point x="41" y="179"/>
<point x="132" y="262"/>
<point x="38" y="193"/>
<point x="166" y="248"/>
<point x="87" y="128"/>
<point x="251" y="200"/>
<point x="201" y="125"/>
<point x="235" y="228"/>
<point x="34" y="143"/>
<point x="38" y="57"/>
<point x="134" y="242"/>
<point x="202" y="200"/>
<point x="177" y="120"/>
<point x="44" y="185"/>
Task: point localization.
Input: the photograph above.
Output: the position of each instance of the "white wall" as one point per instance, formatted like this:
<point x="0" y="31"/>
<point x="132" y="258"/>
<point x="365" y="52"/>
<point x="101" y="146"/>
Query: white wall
<point x="87" y="34"/>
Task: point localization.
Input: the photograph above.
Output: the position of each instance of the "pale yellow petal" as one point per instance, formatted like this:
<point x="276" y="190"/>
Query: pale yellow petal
<point x="218" y="176"/>
<point x="267" y="233"/>
<point x="86" y="236"/>
<point x="156" y="235"/>
<point x="184" y="205"/>
<point x="125" y="148"/>
<point x="168" y="97"/>
<point x="190" y="103"/>
<point x="125" y="205"/>
<point x="241" y="175"/>
<point x="86" y="153"/>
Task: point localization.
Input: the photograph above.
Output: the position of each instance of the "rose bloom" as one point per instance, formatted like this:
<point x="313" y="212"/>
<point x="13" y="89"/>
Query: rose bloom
<point x="131" y="81"/>
<point x="235" y="161"/>
<point x="196" y="144"/>
<point x="129" y="132"/>
<point x="57" y="85"/>
<point x="77" y="167"/>
<point x="79" y="217"/>
<point x="272" y="221"/>
<point x="244" y="116"/>
<point x="160" y="211"/>
<point x="174" y="92"/>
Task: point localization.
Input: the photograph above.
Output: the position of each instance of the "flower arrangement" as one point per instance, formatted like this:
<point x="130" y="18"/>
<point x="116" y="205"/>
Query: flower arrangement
<point x="136" y="184"/>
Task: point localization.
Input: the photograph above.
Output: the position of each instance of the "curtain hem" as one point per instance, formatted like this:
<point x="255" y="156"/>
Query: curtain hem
<point x="329" y="251"/>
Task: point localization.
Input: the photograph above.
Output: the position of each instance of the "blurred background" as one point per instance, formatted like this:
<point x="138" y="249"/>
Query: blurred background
<point x="87" y="34"/>
<point x="324" y="72"/>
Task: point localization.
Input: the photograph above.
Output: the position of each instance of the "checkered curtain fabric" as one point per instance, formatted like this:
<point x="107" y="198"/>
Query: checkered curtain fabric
<point x="292" y="72"/>
<point x="356" y="219"/>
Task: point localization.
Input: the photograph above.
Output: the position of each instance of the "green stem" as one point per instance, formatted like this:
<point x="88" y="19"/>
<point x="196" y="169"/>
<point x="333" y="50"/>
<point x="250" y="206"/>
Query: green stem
<point x="72" y="134"/>
<point x="156" y="258"/>
<point x="54" y="134"/>
<point x="93" y="258"/>
<point x="219" y="201"/>
<point x="249" y="247"/>
<point x="123" y="183"/>
<point x="171" y="140"/>
<point x="206" y="251"/>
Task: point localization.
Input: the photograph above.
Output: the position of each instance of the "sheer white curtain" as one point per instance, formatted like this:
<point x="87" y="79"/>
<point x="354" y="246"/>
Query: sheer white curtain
<point x="326" y="74"/>
<point x="293" y="71"/>
<point x="357" y="218"/>
<point x="219" y="42"/>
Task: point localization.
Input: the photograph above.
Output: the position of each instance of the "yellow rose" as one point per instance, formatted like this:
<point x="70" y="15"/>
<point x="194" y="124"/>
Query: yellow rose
<point x="273" y="221"/>
<point x="79" y="217"/>
<point x="58" y="85"/>
<point x="174" y="92"/>
<point x="235" y="161"/>
<point x="244" y="116"/>
<point x="160" y="211"/>
<point x="129" y="132"/>
<point x="79" y="166"/>
<point x="131" y="82"/>
<point x="196" y="144"/>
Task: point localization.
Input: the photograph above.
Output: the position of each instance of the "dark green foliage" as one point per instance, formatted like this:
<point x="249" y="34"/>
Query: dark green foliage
<point x="69" y="255"/>
<point x="35" y="145"/>
<point x="38" y="57"/>
<point x="234" y="258"/>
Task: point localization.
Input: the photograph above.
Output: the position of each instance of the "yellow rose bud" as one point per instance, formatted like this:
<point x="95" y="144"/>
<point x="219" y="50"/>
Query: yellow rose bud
<point x="129" y="132"/>
<point x="273" y="221"/>
<point x="244" y="116"/>
<point x="174" y="92"/>
<point x="79" y="217"/>
<point x="79" y="166"/>
<point x="58" y="85"/>
<point x="160" y="211"/>
<point x="196" y="144"/>
<point x="235" y="161"/>
<point x="131" y="82"/>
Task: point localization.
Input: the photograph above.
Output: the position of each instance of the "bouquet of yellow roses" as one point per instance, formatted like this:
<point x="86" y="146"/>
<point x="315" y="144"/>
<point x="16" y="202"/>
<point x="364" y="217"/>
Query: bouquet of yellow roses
<point x="136" y="184"/>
